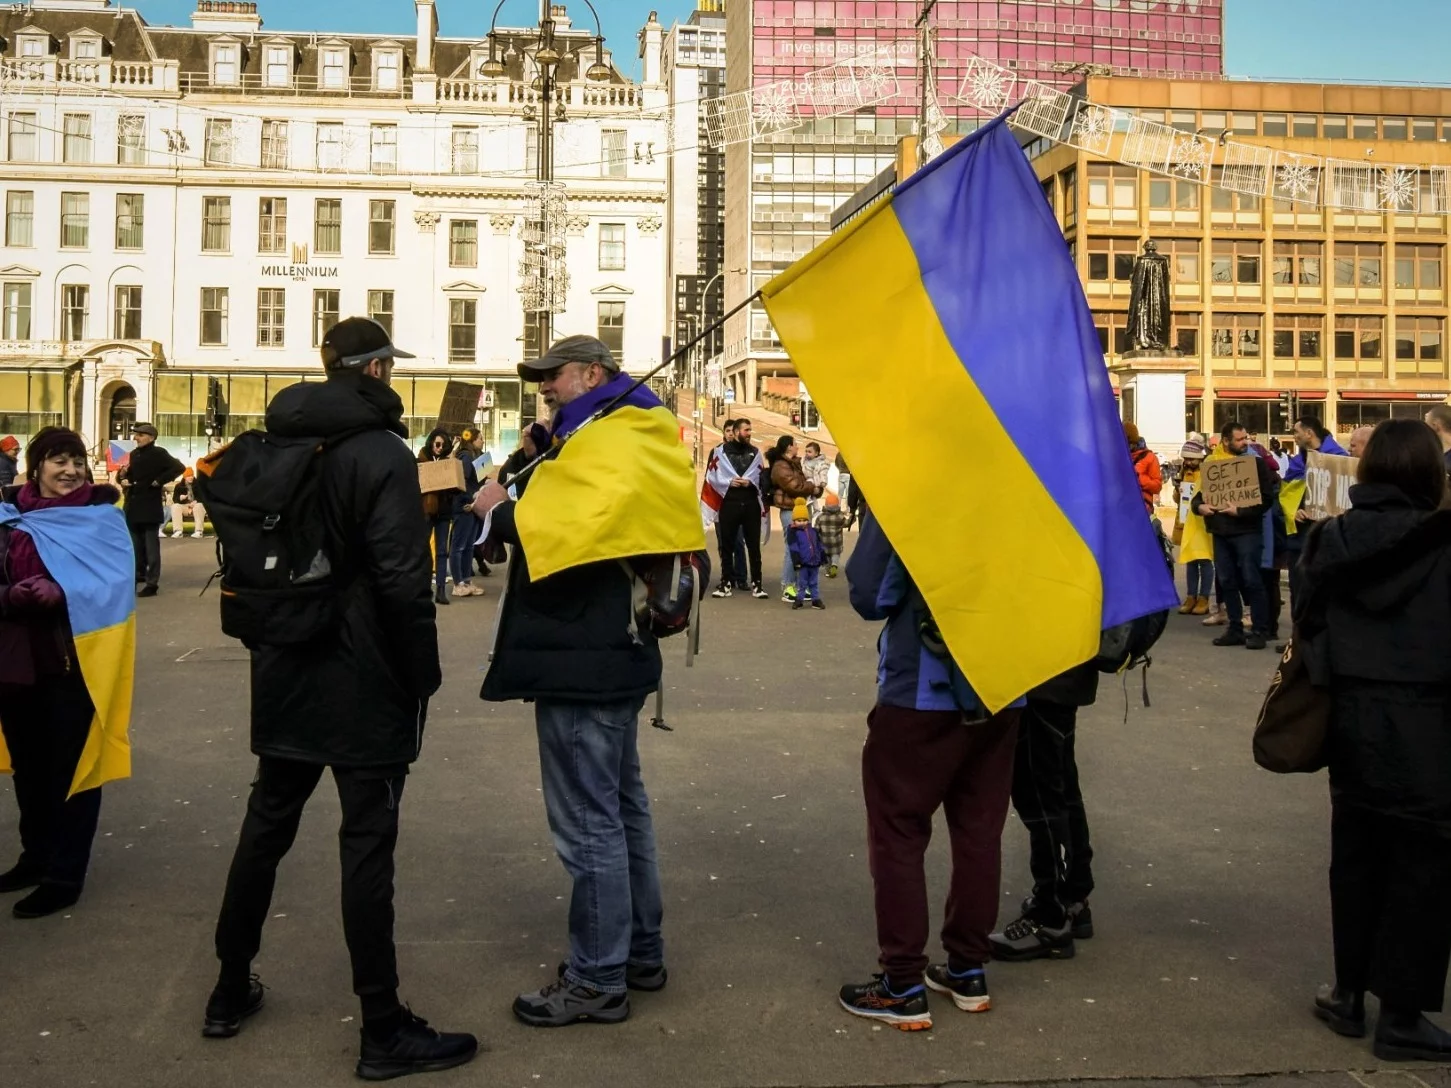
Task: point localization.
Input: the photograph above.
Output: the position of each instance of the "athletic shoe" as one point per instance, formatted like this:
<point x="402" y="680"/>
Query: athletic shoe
<point x="788" y="594"/>
<point x="413" y="1048"/>
<point x="462" y="590"/>
<point x="1028" y="939"/>
<point x="817" y="602"/>
<point x="177" y="535"/>
<point x="967" y="990"/>
<point x="1254" y="642"/>
<point x="797" y="604"/>
<point x="637" y="977"/>
<point x="197" y="536"/>
<point x="562" y="1002"/>
<point x="759" y="594"/>
<point x="831" y="570"/>
<point x="721" y="591"/>
<point x="876" y="1001"/>
<point x="1232" y="637"/>
<point x="1081" y="919"/>
<point x="226" y="1010"/>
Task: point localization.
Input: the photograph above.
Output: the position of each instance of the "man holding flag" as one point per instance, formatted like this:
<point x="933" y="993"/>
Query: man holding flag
<point x="961" y="287"/>
<point x="615" y="487"/>
<point x="732" y="499"/>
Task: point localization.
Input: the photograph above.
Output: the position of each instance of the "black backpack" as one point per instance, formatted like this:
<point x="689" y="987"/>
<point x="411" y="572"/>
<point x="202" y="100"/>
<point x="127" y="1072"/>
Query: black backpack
<point x="262" y="494"/>
<point x="1126" y="646"/>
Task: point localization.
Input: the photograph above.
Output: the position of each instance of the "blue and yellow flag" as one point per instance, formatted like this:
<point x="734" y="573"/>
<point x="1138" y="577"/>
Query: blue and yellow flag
<point x="621" y="485"/>
<point x="952" y="312"/>
<point x="87" y="550"/>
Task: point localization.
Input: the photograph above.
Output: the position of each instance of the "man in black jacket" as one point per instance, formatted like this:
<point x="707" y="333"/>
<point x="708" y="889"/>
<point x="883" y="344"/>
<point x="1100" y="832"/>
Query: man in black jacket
<point x="1239" y="544"/>
<point x="741" y="511"/>
<point x="354" y="703"/>
<point x="148" y="470"/>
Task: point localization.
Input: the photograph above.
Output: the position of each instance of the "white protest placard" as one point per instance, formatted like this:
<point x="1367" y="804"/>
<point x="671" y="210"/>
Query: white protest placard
<point x="1231" y="481"/>
<point x="1328" y="480"/>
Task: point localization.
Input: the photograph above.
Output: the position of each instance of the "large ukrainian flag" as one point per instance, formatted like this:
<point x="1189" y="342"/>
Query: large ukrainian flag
<point x="947" y="342"/>
<point x="87" y="550"/>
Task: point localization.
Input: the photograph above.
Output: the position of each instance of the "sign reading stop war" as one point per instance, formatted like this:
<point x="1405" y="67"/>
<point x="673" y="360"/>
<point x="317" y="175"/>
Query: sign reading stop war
<point x="1235" y="480"/>
<point x="1328" y="480"/>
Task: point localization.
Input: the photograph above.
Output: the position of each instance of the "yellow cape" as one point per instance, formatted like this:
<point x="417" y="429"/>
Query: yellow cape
<point x="1195" y="543"/>
<point x="621" y="486"/>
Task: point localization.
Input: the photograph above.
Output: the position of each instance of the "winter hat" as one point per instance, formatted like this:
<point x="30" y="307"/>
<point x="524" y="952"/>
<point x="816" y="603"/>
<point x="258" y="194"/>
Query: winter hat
<point x="49" y="442"/>
<point x="9" y="443"/>
<point x="831" y="499"/>
<point x="798" y="510"/>
<point x="1192" y="451"/>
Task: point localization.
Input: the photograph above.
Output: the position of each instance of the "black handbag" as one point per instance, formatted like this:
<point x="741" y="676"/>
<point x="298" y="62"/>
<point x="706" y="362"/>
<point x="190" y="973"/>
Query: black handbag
<point x="1290" y="734"/>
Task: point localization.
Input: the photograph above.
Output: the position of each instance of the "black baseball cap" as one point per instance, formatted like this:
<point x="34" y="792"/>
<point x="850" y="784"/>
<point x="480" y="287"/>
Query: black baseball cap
<point x="572" y="349"/>
<point x="355" y="342"/>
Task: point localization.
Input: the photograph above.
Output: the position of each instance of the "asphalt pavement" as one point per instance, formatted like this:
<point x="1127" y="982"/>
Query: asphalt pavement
<point x="1211" y="911"/>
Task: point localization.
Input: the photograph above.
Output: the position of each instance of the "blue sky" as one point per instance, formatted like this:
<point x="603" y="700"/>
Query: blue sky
<point x="1306" y="39"/>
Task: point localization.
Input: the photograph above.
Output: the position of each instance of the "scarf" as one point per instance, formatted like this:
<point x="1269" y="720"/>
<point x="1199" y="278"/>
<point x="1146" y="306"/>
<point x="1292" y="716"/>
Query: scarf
<point x="24" y="559"/>
<point x="570" y="416"/>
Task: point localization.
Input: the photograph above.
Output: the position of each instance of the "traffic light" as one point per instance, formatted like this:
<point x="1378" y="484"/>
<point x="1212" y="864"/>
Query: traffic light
<point x="1287" y="408"/>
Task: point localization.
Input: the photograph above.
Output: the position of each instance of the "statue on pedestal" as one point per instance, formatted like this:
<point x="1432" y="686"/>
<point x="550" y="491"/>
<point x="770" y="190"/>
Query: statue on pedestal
<point x="1148" y="325"/>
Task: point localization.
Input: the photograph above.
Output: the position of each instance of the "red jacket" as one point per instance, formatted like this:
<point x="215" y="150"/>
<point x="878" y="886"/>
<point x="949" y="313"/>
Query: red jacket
<point x="1151" y="476"/>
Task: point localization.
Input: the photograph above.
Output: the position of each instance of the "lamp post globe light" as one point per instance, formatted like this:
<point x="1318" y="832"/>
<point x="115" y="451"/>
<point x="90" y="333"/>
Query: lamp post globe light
<point x="544" y="280"/>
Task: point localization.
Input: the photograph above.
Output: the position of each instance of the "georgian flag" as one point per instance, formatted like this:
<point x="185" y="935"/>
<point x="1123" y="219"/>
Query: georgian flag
<point x="719" y="472"/>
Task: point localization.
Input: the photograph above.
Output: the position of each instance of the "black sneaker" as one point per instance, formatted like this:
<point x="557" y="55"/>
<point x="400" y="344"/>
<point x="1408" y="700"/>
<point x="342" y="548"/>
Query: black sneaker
<point x="817" y="602"/>
<point x="758" y="593"/>
<point x="967" y="990"/>
<point x="637" y="977"/>
<point x="561" y="1002"/>
<point x="414" y="1048"/>
<point x="1026" y="938"/>
<point x="226" y="1010"/>
<point x="876" y="1001"/>
<point x="1231" y="637"/>
<point x="1081" y="919"/>
<point x="47" y="899"/>
<point x="722" y="590"/>
<point x="797" y="604"/>
<point x="147" y="591"/>
<point x="1254" y="642"/>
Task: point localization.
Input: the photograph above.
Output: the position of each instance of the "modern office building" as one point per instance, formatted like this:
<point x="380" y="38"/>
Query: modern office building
<point x="781" y="190"/>
<point x="187" y="210"/>
<point x="1346" y="307"/>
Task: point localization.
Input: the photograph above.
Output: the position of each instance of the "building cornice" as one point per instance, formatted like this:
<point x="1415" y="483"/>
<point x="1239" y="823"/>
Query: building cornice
<point x="441" y="188"/>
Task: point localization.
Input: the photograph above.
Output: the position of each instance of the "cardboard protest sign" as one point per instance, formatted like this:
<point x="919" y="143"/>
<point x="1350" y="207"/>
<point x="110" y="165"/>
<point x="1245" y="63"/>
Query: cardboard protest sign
<point x="1328" y="480"/>
<point x="1231" y="480"/>
<point x="445" y="475"/>
<point x="460" y="406"/>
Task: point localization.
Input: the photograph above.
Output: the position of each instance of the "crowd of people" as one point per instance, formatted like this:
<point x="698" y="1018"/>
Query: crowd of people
<point x="1368" y="599"/>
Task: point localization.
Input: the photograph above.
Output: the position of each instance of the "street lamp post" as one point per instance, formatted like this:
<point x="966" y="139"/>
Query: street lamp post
<point x="700" y="349"/>
<point x="547" y="56"/>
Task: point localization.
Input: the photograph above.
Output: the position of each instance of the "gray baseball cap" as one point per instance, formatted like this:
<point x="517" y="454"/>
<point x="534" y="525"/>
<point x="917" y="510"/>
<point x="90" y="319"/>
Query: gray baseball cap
<point x="572" y="349"/>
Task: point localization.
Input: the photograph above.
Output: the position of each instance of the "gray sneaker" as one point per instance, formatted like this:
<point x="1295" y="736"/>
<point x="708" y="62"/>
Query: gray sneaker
<point x="1028" y="939"/>
<point x="562" y="1002"/>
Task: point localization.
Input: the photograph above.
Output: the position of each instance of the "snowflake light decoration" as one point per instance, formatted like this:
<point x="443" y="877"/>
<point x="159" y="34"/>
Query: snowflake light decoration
<point x="773" y="108"/>
<point x="1189" y="157"/>
<point x="1092" y="129"/>
<point x="878" y="79"/>
<point x="985" y="86"/>
<point x="1397" y="189"/>
<point x="1297" y="180"/>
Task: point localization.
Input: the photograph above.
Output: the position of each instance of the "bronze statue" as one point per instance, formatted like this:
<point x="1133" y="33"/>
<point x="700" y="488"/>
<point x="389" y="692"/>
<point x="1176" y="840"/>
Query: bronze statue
<point x="1148" y="326"/>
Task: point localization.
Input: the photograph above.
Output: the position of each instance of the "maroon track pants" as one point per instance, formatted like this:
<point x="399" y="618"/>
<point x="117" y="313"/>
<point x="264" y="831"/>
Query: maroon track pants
<point x="914" y="762"/>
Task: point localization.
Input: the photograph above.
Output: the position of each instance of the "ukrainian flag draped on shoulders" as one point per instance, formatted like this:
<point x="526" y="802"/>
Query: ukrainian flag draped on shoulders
<point x="952" y="310"/>
<point x="87" y="552"/>
<point x="619" y="484"/>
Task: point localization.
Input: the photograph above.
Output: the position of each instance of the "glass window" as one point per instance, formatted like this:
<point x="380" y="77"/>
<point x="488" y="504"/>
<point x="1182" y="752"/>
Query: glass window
<point x="1306" y="124"/>
<point x="1363" y="128"/>
<point x="382" y="226"/>
<point x="1213" y="122"/>
<point x="215" y="306"/>
<point x="1393" y="128"/>
<point x="271" y="317"/>
<point x="463" y="243"/>
<point x="131" y="139"/>
<point x="272" y="224"/>
<point x="23" y="130"/>
<point x="274" y="145"/>
<point x="1235" y="262"/>
<point x="1358" y="337"/>
<point x="1335" y="127"/>
<point x="1112" y="186"/>
<point x="75" y="311"/>
<point x="384" y="144"/>
<point x="327" y="227"/>
<point x="77" y="146"/>
<point x="15" y="313"/>
<point x="1299" y="336"/>
<point x="1183" y="120"/>
<point x="1275" y="124"/>
<point x="612" y="247"/>
<point x="216" y="224"/>
<point x="465" y="158"/>
<point x="1069" y="180"/>
<point x="1243" y="124"/>
<point x="386" y="66"/>
<point x="1236" y="336"/>
<point x="380" y="309"/>
<point x="334" y="68"/>
<point x="1186" y="333"/>
<point x="612" y="327"/>
<point x="1298" y="263"/>
<point x="128" y="313"/>
<point x="612" y="148"/>
<point x="75" y="220"/>
<point x="1418" y="267"/>
<point x="220" y="144"/>
<point x="224" y="64"/>
<point x="463" y="330"/>
<point x="130" y="220"/>
<point x="330" y="145"/>
<point x="325" y="311"/>
<point x="1423" y="128"/>
<point x="278" y="65"/>
<point x="87" y="49"/>
<point x="1357" y="264"/>
<point x="19" y="218"/>
<point x="1184" y="255"/>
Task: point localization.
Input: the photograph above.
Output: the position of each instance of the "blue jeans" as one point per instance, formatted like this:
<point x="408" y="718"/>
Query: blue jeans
<point x="788" y="573"/>
<point x="1200" y="576"/>
<point x="1237" y="563"/>
<point x="808" y="582"/>
<point x="461" y="551"/>
<point x="600" y="818"/>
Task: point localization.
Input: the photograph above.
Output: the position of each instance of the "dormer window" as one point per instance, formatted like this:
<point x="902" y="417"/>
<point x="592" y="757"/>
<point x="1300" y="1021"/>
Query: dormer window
<point x="34" y="46"/>
<point x="86" y="49"/>
<point x="278" y="66"/>
<point x="226" y="63"/>
<point x="334" y="68"/>
<point x="388" y="70"/>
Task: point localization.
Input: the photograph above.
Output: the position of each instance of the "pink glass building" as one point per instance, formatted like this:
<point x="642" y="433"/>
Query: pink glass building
<point x="780" y="190"/>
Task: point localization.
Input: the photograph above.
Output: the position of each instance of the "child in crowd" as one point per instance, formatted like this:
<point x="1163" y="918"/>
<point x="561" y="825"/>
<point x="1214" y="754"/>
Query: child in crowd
<point x="1196" y="548"/>
<point x="804" y="544"/>
<point x="831" y="524"/>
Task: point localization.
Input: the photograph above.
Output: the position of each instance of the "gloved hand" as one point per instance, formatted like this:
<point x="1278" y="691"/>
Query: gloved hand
<point x="33" y="596"/>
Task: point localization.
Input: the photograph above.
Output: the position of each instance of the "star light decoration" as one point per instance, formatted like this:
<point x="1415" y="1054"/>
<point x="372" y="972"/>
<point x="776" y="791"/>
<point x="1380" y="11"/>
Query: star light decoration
<point x="1190" y="157"/>
<point x="773" y="108"/>
<point x="1397" y="188"/>
<point x="1297" y="179"/>
<point x="1092" y="129"/>
<point x="985" y="86"/>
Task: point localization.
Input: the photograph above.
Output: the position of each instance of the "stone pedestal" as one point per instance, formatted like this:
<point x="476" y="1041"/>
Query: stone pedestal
<point x="1152" y="396"/>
